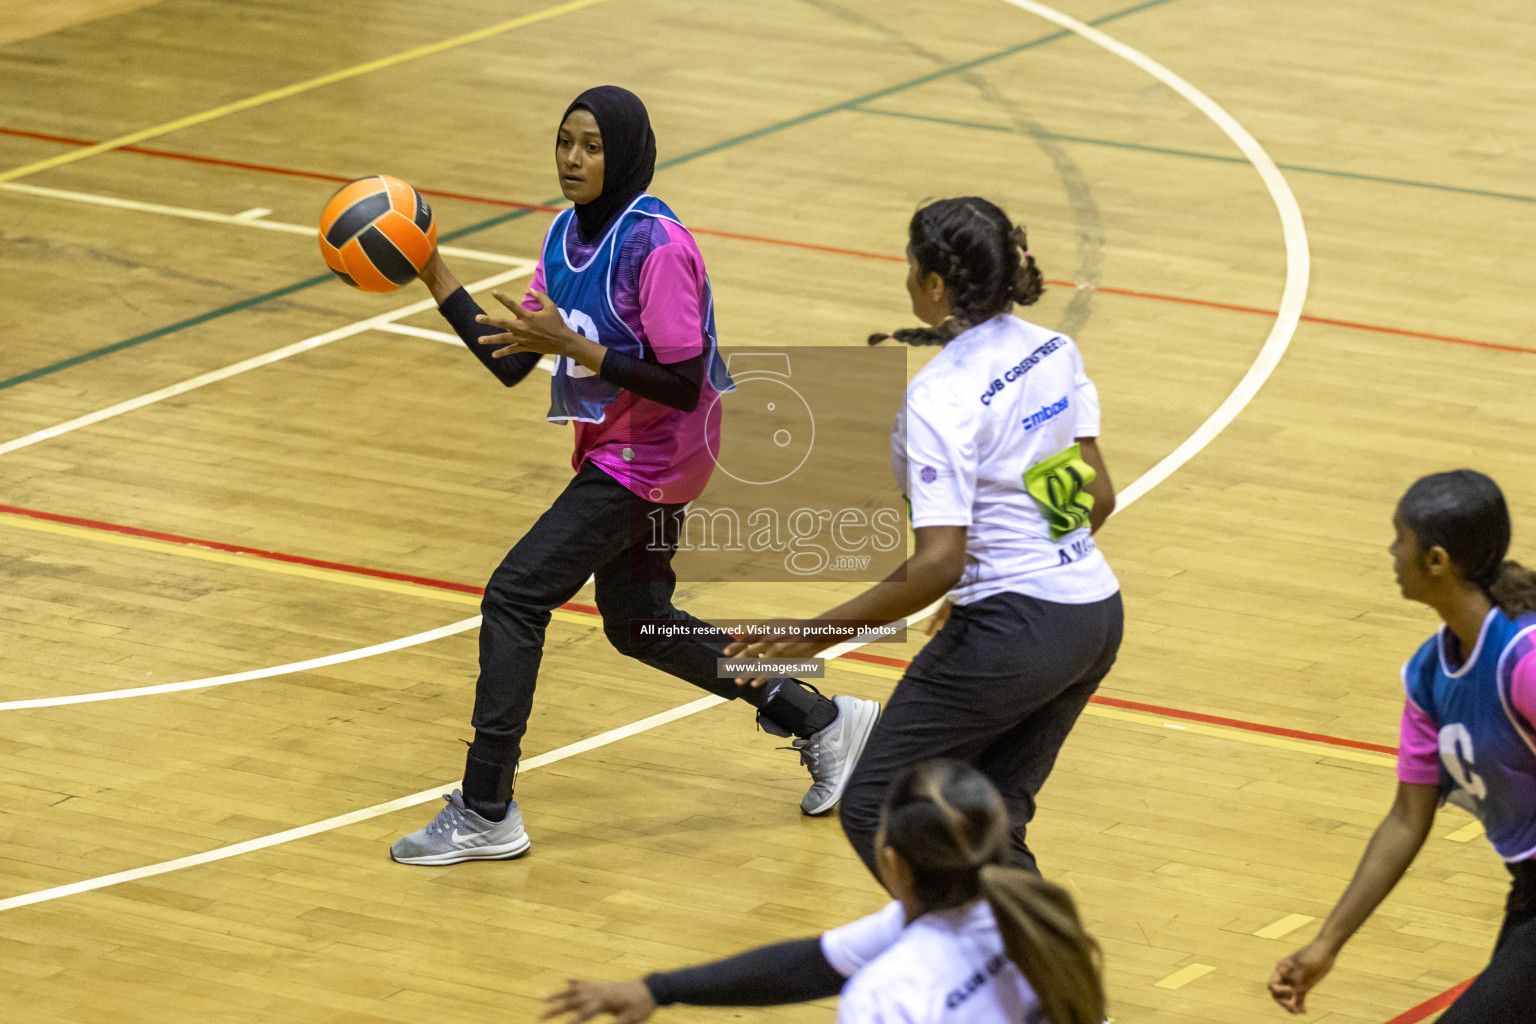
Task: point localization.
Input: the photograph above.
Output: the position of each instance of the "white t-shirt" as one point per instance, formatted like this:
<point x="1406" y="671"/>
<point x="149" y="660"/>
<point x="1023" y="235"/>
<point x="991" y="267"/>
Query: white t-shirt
<point x="947" y="967"/>
<point x="999" y="399"/>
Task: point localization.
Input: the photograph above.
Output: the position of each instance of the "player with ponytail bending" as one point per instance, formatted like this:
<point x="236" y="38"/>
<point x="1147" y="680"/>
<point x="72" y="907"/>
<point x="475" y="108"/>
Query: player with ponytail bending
<point x="997" y="452"/>
<point x="1468" y="732"/>
<point x="967" y="940"/>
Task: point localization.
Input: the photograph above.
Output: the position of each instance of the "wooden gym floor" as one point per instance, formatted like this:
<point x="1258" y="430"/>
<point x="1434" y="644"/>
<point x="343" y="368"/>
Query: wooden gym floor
<point x="185" y="394"/>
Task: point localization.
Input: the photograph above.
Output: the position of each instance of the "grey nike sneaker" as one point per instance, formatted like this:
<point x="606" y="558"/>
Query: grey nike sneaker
<point x="831" y="753"/>
<point x="458" y="834"/>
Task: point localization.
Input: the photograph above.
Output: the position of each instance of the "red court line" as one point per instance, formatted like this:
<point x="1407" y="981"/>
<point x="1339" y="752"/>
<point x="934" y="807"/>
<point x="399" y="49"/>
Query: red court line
<point x="242" y="165"/>
<point x="275" y="556"/>
<point x="465" y="588"/>
<point x="1237" y="723"/>
<point x="1353" y="325"/>
<point x="167" y="154"/>
<point x="1434" y="1005"/>
<point x="877" y="659"/>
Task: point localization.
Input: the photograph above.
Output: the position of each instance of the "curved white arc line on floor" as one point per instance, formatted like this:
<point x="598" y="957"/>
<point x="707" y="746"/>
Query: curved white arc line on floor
<point x="463" y="625"/>
<point x="1297" y="269"/>
<point x="1298" y="258"/>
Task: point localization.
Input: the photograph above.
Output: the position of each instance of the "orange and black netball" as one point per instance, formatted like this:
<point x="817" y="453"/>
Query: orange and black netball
<point x="376" y="233"/>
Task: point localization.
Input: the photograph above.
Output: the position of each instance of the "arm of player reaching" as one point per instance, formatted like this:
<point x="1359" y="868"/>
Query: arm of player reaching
<point x="461" y="312"/>
<point x="935" y="567"/>
<point x="1392" y="848"/>
<point x="789" y="972"/>
<point x="1102" y="490"/>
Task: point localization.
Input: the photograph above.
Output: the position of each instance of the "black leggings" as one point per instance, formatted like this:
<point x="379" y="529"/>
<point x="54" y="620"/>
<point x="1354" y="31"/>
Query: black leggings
<point x="1505" y="993"/>
<point x="595" y="527"/>
<point x="999" y="688"/>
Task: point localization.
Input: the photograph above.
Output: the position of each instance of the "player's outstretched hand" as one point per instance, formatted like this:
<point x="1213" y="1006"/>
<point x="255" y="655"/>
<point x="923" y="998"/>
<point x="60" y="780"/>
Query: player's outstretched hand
<point x="541" y="330"/>
<point x="1295" y="976"/>
<point x="757" y="644"/>
<point x="629" y="1002"/>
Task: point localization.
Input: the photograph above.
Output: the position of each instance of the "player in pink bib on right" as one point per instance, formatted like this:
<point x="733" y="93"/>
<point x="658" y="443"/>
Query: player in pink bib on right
<point x="1467" y="735"/>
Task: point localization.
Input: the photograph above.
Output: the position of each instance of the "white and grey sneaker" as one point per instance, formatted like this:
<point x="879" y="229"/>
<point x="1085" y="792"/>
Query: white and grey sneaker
<point x="831" y="753"/>
<point x="458" y="834"/>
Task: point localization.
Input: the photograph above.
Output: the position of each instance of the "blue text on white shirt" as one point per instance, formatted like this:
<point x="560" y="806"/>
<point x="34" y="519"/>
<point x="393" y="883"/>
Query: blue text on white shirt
<point x="1045" y="414"/>
<point x="1013" y="373"/>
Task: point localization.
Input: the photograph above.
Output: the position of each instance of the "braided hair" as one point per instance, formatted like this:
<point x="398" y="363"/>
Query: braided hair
<point x="1464" y="513"/>
<point x="983" y="259"/>
<point x="950" y="826"/>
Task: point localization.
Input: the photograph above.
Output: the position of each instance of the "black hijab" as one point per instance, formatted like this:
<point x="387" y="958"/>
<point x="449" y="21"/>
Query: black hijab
<point x="629" y="155"/>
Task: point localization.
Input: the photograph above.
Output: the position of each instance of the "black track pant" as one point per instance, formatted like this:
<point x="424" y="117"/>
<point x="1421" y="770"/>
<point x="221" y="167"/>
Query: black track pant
<point x="595" y="527"/>
<point x="999" y="688"/>
<point x="1506" y="990"/>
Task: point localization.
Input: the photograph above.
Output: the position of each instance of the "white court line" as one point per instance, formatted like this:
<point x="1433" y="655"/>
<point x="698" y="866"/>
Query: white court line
<point x="248" y="219"/>
<point x="602" y="739"/>
<point x="1298" y="259"/>
<point x="1297" y="269"/>
<point x="546" y="364"/>
<point x="225" y="372"/>
<point x="325" y="661"/>
<point x="447" y="337"/>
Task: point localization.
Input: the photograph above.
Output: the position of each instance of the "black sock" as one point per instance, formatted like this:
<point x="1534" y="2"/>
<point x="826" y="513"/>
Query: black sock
<point x="797" y="709"/>
<point x="488" y="786"/>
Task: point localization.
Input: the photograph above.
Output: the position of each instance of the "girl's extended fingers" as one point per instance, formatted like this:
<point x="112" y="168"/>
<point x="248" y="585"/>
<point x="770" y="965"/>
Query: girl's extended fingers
<point x="497" y="321"/>
<point x="556" y="1004"/>
<point x="514" y="305"/>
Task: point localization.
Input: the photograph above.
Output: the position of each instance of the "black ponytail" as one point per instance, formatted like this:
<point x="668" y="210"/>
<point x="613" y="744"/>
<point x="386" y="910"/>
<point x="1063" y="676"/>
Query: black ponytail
<point x="1514" y="589"/>
<point x="983" y="259"/>
<point x="1464" y="513"/>
<point x="950" y="826"/>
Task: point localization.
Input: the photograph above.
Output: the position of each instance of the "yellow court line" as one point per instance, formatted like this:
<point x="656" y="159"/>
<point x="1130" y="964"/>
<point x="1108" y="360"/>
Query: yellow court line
<point x="298" y="87"/>
<point x="1468" y="832"/>
<point x="866" y="669"/>
<point x="1184" y="975"/>
<point x="1283" y="927"/>
<point x="264" y="565"/>
<point x="1257" y="739"/>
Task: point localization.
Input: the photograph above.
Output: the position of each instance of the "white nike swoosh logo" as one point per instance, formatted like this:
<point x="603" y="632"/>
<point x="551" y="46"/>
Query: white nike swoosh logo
<point x="458" y="838"/>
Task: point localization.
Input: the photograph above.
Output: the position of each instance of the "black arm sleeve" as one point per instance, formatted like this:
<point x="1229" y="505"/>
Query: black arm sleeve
<point x="460" y="311"/>
<point x="790" y="972"/>
<point x="675" y="384"/>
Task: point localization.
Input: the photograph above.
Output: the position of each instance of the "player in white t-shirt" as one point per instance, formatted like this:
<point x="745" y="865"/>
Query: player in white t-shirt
<point x="967" y="940"/>
<point x="997" y="452"/>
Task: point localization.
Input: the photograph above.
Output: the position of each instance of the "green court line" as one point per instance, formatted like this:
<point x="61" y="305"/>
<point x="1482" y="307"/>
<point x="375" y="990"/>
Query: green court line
<point x="214" y="314"/>
<point x="953" y="69"/>
<point x="846" y="105"/>
<point x="160" y="332"/>
<point x="1197" y="155"/>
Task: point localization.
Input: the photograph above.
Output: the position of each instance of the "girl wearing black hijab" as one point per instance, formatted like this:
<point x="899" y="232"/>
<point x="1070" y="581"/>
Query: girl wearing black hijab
<point x="621" y="300"/>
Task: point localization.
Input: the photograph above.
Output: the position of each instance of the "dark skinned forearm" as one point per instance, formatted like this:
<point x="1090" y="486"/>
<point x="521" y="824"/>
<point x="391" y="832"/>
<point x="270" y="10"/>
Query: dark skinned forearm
<point x="908" y="590"/>
<point x="1392" y="848"/>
